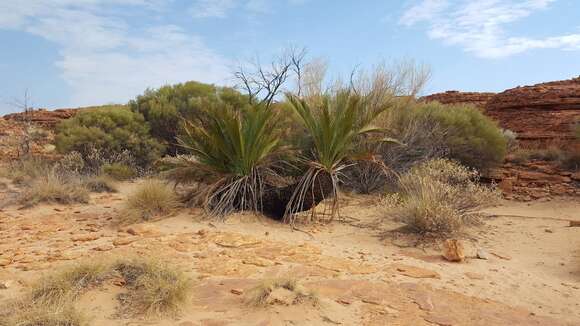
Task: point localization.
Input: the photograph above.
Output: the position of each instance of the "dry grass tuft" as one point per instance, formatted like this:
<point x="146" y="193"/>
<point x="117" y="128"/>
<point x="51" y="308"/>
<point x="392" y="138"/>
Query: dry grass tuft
<point x="439" y="198"/>
<point x="154" y="287"/>
<point x="52" y="188"/>
<point x="45" y="315"/>
<point x="68" y="284"/>
<point x="101" y="183"/>
<point x="261" y="295"/>
<point x="153" y="198"/>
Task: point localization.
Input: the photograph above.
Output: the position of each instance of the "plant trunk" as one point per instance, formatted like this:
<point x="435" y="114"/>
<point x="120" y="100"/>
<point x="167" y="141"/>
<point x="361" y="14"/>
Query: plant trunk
<point x="275" y="200"/>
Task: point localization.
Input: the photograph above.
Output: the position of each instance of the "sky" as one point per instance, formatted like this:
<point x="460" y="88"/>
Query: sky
<point x="71" y="53"/>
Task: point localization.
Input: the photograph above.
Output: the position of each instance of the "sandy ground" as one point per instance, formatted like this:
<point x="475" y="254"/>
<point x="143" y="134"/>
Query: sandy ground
<point x="363" y="274"/>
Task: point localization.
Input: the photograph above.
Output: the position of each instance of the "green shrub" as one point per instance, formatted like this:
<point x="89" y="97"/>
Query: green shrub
<point x="119" y="171"/>
<point x="108" y="130"/>
<point x="470" y="137"/>
<point x="234" y="154"/>
<point x="165" y="107"/>
<point x="439" y="198"/>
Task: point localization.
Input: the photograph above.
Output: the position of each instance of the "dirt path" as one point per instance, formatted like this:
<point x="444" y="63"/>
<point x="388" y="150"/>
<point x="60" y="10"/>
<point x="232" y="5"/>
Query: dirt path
<point x="361" y="278"/>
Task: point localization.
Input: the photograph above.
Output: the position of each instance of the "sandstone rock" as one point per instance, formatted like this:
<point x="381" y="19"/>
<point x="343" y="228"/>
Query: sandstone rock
<point x="415" y="272"/>
<point x="482" y="254"/>
<point x="453" y="250"/>
<point x="237" y="291"/>
<point x="541" y="112"/>
<point x="474" y="276"/>
<point x="105" y="247"/>
<point x="502" y="256"/>
<point x="124" y="241"/>
<point x="4" y="285"/>
<point x="455" y="97"/>
<point x="43" y="117"/>
<point x="572" y="224"/>
<point x="86" y="237"/>
<point x="5" y="262"/>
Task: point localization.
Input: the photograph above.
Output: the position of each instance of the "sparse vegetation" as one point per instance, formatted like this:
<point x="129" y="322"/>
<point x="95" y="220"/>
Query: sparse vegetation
<point x="52" y="188"/>
<point x="261" y="295"/>
<point x="154" y="288"/>
<point x="152" y="198"/>
<point x="108" y="130"/>
<point x="101" y="183"/>
<point x="26" y="314"/>
<point x="439" y="198"/>
<point x="119" y="171"/>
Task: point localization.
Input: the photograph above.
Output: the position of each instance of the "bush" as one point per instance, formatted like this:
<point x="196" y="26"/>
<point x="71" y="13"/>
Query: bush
<point x="233" y="155"/>
<point x="151" y="199"/>
<point x="470" y="138"/>
<point x="165" y="107"/>
<point x="52" y="188"/>
<point x="108" y="130"/>
<point x="439" y="198"/>
<point x="119" y="171"/>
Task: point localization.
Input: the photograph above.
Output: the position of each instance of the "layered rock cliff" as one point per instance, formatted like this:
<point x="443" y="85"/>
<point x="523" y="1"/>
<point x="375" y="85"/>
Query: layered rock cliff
<point x="42" y="117"/>
<point x="455" y="97"/>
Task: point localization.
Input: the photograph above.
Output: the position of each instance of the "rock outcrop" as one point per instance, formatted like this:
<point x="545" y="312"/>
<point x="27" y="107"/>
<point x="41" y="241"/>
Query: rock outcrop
<point x="455" y="97"/>
<point x="42" y="117"/>
<point x="535" y="180"/>
<point x="540" y="113"/>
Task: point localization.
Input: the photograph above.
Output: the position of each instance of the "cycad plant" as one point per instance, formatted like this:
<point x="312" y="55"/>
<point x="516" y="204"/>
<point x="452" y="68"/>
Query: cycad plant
<point x="333" y="123"/>
<point x="233" y="154"/>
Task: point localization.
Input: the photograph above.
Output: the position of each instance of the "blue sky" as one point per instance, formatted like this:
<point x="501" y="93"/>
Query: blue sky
<point x="70" y="53"/>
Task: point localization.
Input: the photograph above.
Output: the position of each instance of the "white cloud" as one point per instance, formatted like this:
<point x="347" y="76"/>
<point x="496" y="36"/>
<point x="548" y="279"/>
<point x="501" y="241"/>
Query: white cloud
<point x="104" y="58"/>
<point x="212" y="8"/>
<point x="479" y="27"/>
<point x="222" y="8"/>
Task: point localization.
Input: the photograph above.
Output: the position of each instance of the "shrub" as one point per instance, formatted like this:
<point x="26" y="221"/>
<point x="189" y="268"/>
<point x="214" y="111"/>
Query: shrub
<point x="511" y="139"/>
<point x="154" y="287"/>
<point x="119" y="171"/>
<point x="333" y="124"/>
<point x="439" y="198"/>
<point x="165" y="107"/>
<point x="52" y="188"/>
<point x="25" y="170"/>
<point x="108" y="130"/>
<point x="151" y="199"/>
<point x="471" y="138"/>
<point x="233" y="154"/>
<point x="101" y="183"/>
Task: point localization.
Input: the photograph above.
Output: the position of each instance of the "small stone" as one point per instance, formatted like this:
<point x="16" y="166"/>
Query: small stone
<point x="474" y="276"/>
<point x="86" y="237"/>
<point x="416" y="272"/>
<point x="453" y="250"/>
<point x="344" y="301"/>
<point x="124" y="241"/>
<point x="574" y="224"/>
<point x="237" y="291"/>
<point x="482" y="254"/>
<point x="4" y="285"/>
<point x="105" y="247"/>
<point x="5" y="262"/>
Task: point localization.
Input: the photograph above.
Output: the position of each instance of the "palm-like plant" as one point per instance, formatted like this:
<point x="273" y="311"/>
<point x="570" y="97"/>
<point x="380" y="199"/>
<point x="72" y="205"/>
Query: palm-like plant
<point x="233" y="152"/>
<point x="334" y="123"/>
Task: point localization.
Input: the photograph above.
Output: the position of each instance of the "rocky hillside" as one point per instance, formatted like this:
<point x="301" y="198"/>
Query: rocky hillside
<point x="42" y="117"/>
<point x="541" y="113"/>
